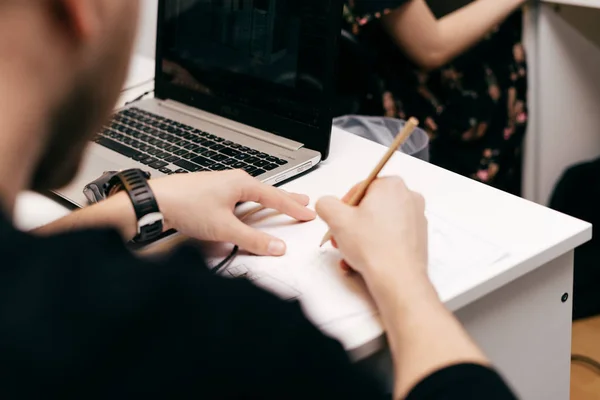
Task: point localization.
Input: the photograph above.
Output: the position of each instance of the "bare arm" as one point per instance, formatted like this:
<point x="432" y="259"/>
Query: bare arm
<point x="431" y="43"/>
<point x="200" y="206"/>
<point x="424" y="336"/>
<point x="115" y="213"/>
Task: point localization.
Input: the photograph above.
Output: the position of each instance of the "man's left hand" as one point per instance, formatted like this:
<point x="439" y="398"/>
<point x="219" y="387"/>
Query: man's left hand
<point x="202" y="205"/>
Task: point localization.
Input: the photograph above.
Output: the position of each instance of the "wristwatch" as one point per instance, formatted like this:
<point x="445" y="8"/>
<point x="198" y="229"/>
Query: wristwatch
<point x="150" y="220"/>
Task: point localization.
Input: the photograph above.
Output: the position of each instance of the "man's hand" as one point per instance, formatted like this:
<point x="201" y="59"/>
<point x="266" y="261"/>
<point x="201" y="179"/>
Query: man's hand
<point x="201" y="206"/>
<point x="385" y="240"/>
<point x="384" y="237"/>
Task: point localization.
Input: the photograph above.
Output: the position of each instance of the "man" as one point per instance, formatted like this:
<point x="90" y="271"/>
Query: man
<point x="81" y="317"/>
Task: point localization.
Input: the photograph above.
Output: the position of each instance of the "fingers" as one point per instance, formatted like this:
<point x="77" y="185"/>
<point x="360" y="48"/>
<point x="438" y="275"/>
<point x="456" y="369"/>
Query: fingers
<point x="334" y="243"/>
<point x="420" y="200"/>
<point x="301" y="199"/>
<point x="251" y="240"/>
<point x="334" y="212"/>
<point x="270" y="197"/>
<point x="345" y="267"/>
<point x="352" y="192"/>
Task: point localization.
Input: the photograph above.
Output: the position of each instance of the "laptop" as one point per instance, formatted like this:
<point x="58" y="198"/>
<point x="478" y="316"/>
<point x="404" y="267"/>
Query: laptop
<point x="240" y="84"/>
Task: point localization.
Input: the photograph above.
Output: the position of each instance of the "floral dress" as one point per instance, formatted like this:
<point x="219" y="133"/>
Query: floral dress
<point x="474" y="109"/>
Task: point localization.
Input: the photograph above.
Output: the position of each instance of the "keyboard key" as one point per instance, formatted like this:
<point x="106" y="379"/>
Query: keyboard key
<point x="145" y="147"/>
<point x="192" y="147"/>
<point x="239" y="165"/>
<point x="261" y="163"/>
<point x="205" y="162"/>
<point x="181" y="171"/>
<point x="172" y="148"/>
<point x="271" y="167"/>
<point x="154" y="152"/>
<point x="229" y="161"/>
<point x="197" y="140"/>
<point x="182" y="143"/>
<point x="220" y="157"/>
<point x="218" y="139"/>
<point x="217" y="147"/>
<point x="140" y="157"/>
<point x="163" y="145"/>
<point x="258" y="172"/>
<point x="276" y="160"/>
<point x="187" y="165"/>
<point x="235" y="145"/>
<point x="135" y="144"/>
<point x="118" y="147"/>
<point x="263" y="155"/>
<point x="158" y="164"/>
<point x="243" y="156"/>
<point x="209" y="154"/>
<point x="189" y="156"/>
<point x="230" y="152"/>
<point x="181" y="152"/>
<point x="252" y="160"/>
<point x="163" y="155"/>
<point x="252" y="152"/>
<point x="172" y="159"/>
<point x="148" y="160"/>
<point x="166" y="171"/>
<point x="207" y="143"/>
<point x="189" y="136"/>
<point x="227" y="143"/>
<point x="249" y="169"/>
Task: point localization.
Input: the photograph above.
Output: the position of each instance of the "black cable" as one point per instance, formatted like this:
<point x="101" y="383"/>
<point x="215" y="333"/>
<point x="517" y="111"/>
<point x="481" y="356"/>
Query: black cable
<point x="225" y="262"/>
<point x="587" y="361"/>
<point x="139" y="97"/>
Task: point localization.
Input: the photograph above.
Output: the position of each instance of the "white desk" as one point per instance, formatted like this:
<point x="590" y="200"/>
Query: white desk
<point x="513" y="309"/>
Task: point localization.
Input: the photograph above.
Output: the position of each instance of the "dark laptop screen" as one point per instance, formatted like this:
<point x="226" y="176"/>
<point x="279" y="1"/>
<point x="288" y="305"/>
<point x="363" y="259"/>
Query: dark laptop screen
<point x="274" y="57"/>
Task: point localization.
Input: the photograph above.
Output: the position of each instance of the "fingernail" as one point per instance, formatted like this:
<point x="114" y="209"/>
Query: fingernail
<point x="276" y="248"/>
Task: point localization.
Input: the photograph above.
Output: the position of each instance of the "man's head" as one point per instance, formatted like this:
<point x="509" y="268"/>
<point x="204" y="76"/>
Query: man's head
<point x="78" y="52"/>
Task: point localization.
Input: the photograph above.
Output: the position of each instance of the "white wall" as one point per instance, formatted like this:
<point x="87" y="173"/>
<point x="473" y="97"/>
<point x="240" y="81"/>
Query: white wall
<point x="147" y="31"/>
<point x="565" y="87"/>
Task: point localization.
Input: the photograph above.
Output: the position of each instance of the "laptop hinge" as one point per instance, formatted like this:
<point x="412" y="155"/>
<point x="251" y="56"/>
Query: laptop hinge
<point x="234" y="126"/>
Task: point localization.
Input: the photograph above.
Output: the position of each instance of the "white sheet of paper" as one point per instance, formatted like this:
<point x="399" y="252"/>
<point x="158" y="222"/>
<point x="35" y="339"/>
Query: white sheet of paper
<point x="327" y="294"/>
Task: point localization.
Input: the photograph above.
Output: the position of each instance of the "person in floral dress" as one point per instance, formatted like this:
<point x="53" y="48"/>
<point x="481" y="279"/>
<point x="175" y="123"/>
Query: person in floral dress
<point x="471" y="98"/>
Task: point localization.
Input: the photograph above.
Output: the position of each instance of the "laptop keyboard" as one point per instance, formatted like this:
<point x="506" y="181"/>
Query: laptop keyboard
<point x="173" y="148"/>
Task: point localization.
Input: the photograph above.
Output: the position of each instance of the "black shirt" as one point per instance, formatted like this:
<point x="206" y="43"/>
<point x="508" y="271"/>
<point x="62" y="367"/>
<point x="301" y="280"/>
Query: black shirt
<point x="80" y="317"/>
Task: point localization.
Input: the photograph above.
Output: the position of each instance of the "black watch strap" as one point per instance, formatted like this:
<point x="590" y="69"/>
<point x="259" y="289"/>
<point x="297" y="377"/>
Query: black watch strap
<point x="149" y="218"/>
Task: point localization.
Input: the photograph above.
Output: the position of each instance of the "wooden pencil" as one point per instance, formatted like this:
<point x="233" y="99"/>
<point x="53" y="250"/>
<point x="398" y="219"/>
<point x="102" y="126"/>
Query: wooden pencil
<point x="357" y="197"/>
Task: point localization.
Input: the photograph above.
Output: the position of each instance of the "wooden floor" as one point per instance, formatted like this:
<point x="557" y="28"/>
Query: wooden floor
<point x="585" y="381"/>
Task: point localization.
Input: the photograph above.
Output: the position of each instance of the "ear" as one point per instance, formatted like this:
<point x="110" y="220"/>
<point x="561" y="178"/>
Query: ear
<point x="80" y="17"/>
